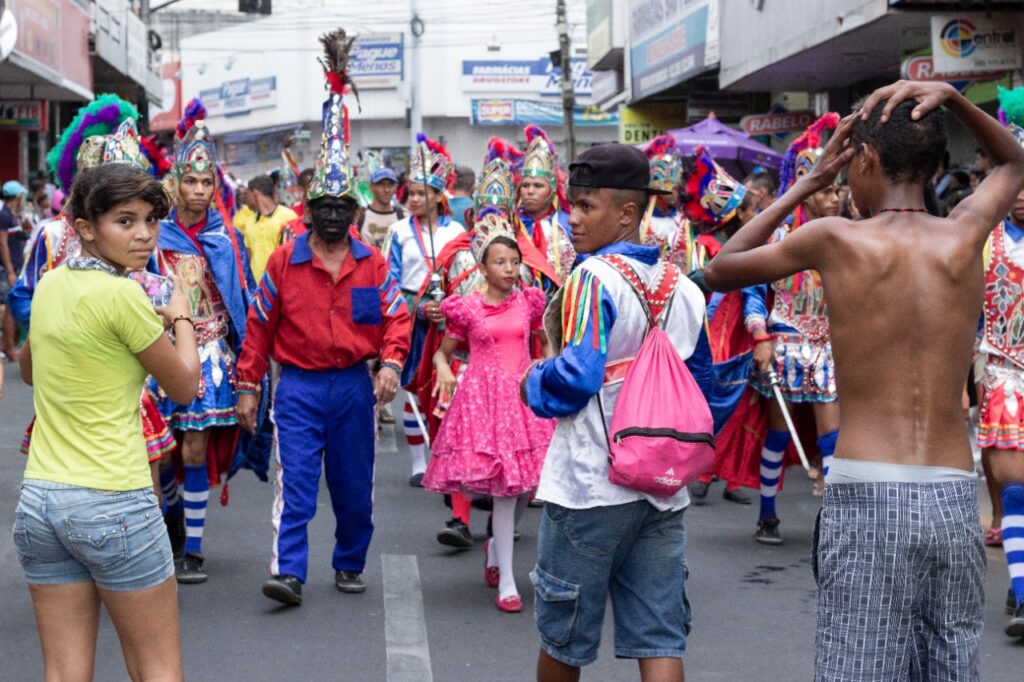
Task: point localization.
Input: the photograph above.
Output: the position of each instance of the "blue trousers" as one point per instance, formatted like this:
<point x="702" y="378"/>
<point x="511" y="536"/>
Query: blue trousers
<point x="325" y="420"/>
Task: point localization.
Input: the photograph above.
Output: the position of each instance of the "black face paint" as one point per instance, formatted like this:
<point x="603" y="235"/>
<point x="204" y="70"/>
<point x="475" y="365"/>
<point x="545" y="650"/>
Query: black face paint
<point x="332" y="217"/>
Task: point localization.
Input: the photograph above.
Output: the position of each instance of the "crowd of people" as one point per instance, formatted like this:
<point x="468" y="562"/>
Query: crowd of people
<point x="518" y="309"/>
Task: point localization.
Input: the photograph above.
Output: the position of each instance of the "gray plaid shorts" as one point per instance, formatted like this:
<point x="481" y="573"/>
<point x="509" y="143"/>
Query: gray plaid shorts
<point x="900" y="569"/>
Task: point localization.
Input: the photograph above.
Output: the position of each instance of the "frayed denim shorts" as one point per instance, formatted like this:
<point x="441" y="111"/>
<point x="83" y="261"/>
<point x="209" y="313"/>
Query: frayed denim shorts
<point x="66" y="534"/>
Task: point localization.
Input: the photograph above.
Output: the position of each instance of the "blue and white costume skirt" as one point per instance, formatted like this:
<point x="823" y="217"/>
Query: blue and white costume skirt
<point x="214" y="404"/>
<point x="806" y="368"/>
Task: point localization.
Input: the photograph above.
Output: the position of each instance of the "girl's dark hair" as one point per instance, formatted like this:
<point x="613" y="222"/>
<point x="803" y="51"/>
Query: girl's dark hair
<point x="101" y="189"/>
<point x="504" y="241"/>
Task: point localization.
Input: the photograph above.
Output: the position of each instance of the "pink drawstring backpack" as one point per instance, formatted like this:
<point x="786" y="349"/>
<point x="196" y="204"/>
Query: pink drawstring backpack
<point x="661" y="431"/>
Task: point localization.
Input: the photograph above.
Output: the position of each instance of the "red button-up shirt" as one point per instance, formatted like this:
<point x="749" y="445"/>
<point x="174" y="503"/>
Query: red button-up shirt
<point x="302" y="317"/>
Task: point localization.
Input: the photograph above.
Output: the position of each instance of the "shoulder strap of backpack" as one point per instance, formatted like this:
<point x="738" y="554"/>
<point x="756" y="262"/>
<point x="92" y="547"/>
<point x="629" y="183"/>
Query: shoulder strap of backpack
<point x="636" y="284"/>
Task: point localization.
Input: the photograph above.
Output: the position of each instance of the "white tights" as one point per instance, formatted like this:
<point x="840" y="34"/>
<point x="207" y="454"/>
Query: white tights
<point x="506" y="512"/>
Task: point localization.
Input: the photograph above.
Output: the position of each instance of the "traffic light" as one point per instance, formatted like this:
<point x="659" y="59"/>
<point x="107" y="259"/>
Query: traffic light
<point x="254" y="6"/>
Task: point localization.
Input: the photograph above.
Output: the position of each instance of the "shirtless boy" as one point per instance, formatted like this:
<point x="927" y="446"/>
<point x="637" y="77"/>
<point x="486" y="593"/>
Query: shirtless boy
<point x="900" y="562"/>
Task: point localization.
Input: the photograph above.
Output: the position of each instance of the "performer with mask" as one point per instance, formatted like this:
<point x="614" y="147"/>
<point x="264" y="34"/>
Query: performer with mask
<point x="323" y="344"/>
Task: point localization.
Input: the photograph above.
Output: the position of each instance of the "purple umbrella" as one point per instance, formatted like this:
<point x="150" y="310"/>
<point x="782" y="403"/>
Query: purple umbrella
<point x="735" y="151"/>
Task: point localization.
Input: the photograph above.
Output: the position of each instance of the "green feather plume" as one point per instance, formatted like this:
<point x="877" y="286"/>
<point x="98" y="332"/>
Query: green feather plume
<point x="1012" y="103"/>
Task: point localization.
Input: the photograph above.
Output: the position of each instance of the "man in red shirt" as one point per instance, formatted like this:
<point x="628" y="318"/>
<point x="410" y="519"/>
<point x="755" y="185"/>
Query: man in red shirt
<point x="326" y="397"/>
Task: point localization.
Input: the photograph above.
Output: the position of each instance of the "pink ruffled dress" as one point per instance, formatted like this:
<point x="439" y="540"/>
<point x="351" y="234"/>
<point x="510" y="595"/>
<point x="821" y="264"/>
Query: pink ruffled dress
<point x="490" y="442"/>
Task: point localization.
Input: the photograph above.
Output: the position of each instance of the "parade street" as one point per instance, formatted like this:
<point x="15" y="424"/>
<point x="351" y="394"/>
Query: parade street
<point x="427" y="613"/>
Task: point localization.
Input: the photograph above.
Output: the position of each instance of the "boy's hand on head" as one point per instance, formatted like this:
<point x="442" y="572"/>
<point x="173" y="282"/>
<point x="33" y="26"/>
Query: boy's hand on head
<point x="929" y="95"/>
<point x="837" y="154"/>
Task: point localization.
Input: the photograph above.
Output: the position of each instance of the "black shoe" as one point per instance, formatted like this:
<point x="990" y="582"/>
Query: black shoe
<point x="416" y="481"/>
<point x="699" y="492"/>
<point x="349" y="581"/>
<point x="768" y="531"/>
<point x="286" y="589"/>
<point x="1011" y="602"/>
<point x="190" y="570"/>
<point x="176" y="533"/>
<point x="737" y="496"/>
<point x="1015" y="628"/>
<point x="456" y="534"/>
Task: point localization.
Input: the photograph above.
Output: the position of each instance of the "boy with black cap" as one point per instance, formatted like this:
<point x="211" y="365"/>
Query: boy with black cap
<point x="899" y="558"/>
<point x="596" y="538"/>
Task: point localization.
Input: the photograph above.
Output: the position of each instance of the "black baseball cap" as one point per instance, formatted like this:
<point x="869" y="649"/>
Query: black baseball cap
<point x="614" y="166"/>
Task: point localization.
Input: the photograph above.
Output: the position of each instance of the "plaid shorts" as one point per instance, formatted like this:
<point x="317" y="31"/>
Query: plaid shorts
<point x="900" y="569"/>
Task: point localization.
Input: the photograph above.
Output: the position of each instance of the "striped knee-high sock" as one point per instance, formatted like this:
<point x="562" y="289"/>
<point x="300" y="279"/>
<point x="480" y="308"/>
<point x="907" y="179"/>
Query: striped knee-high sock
<point x="1013" y="536"/>
<point x="827" y="447"/>
<point x="771" y="470"/>
<point x="169" y="488"/>
<point x="197" y="495"/>
<point x="414" y="437"/>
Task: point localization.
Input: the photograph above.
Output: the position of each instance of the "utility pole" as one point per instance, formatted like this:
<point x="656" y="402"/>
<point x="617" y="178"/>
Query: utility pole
<point x="568" y="95"/>
<point x="415" y="82"/>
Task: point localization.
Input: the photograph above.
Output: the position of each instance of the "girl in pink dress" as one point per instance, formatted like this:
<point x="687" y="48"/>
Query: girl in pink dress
<point x="489" y="442"/>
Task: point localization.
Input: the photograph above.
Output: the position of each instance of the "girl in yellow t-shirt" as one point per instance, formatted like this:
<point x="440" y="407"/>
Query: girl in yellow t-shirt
<point x="88" y="528"/>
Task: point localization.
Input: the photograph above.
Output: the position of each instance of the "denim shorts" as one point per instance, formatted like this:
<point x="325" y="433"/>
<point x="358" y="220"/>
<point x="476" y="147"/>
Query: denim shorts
<point x="67" y="534"/>
<point x="632" y="552"/>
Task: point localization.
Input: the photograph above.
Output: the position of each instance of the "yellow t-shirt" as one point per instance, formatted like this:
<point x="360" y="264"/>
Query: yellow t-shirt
<point x="86" y="327"/>
<point x="263" y="235"/>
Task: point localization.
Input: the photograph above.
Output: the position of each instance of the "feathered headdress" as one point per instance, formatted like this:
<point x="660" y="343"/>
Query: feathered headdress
<point x="541" y="159"/>
<point x="195" y="152"/>
<point x="712" y="195"/>
<point x="1011" y="111"/>
<point x="490" y="223"/>
<point x="160" y="161"/>
<point x="496" y="187"/>
<point x="431" y="164"/>
<point x="194" y="111"/>
<point x="665" y="165"/>
<point x="332" y="176"/>
<point x="99" y="118"/>
<point x="805" y="151"/>
<point x="337" y="49"/>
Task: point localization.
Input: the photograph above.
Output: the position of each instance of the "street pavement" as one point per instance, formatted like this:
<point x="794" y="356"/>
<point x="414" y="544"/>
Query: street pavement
<point x="427" y="614"/>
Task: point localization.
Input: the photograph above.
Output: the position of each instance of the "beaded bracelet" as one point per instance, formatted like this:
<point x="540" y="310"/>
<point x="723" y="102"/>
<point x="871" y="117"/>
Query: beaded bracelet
<point x="183" y="318"/>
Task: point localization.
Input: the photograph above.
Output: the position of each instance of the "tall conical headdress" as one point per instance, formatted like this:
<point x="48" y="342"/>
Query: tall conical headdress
<point x="666" y="167"/>
<point x="98" y="119"/>
<point x="489" y="224"/>
<point x="332" y="176"/>
<point x="1011" y="111"/>
<point x="195" y="152"/>
<point x="712" y="195"/>
<point x="431" y="164"/>
<point x="541" y="159"/>
<point x="805" y="151"/>
<point x="496" y="187"/>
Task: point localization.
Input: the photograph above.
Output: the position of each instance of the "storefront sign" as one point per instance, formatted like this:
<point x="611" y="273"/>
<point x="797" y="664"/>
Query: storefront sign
<point x="376" y="61"/>
<point x="167" y="117"/>
<point x="23" y="114"/>
<point x="673" y="40"/>
<point x="538" y="77"/>
<point x="240" y="96"/>
<point x="922" y="68"/>
<point x="639" y="125"/>
<point x="776" y="122"/>
<point x="976" y="42"/>
<point x="517" y="112"/>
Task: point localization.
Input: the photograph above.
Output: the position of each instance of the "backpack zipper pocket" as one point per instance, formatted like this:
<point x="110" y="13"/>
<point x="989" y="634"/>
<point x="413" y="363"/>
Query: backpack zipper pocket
<point x="665" y="433"/>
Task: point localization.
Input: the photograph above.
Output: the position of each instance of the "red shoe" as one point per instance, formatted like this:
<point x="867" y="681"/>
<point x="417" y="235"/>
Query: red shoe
<point x="513" y="604"/>
<point x="994" y="537"/>
<point x="491" y="573"/>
